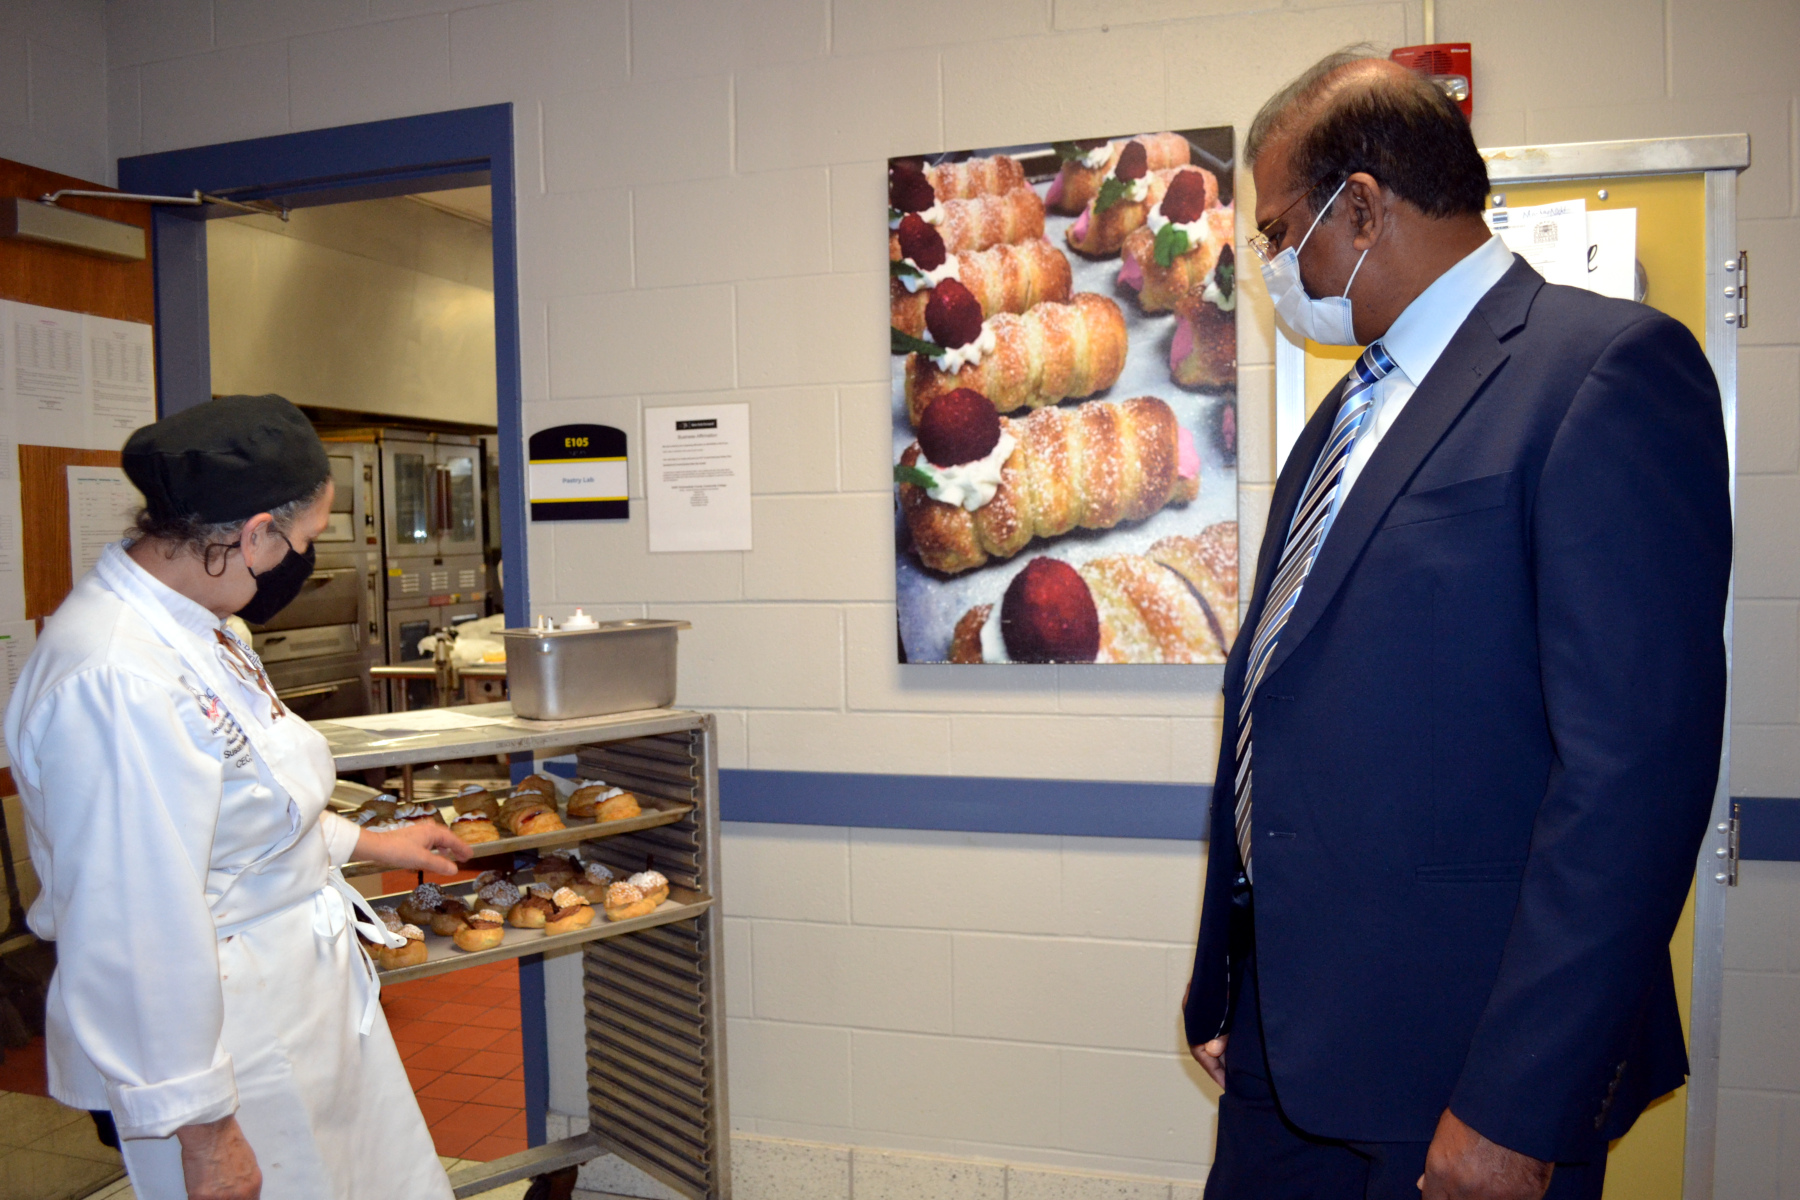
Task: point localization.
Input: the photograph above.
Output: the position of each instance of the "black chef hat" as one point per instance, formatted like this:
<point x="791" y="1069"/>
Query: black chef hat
<point x="226" y="460"/>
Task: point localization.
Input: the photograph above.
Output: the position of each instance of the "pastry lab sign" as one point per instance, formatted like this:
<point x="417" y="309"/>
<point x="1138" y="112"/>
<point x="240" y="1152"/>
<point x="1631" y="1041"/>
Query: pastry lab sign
<point x="579" y="473"/>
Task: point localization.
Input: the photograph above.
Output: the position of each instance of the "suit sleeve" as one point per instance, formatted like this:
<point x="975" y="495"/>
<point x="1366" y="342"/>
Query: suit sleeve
<point x="1632" y="552"/>
<point x="132" y="802"/>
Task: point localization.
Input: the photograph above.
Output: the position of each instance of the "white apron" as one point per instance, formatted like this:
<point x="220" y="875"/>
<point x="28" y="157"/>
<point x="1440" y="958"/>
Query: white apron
<point x="322" y="1096"/>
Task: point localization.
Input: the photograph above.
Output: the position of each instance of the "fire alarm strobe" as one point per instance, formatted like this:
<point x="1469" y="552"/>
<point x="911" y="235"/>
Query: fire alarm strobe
<point x="1445" y="64"/>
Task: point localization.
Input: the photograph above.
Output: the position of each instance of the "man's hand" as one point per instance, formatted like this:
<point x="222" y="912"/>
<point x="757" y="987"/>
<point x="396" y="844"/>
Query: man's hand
<point x="1463" y="1165"/>
<point x="1211" y="1058"/>
<point x="218" y="1163"/>
<point x="421" y="846"/>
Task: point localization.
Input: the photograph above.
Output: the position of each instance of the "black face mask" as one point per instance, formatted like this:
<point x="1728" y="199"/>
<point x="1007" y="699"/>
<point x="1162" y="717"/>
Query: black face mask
<point x="277" y="586"/>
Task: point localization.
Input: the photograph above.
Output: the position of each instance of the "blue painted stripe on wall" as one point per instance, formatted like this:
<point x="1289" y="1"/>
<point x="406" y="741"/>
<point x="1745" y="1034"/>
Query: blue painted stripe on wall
<point x="1078" y="808"/>
<point x="1769" y="829"/>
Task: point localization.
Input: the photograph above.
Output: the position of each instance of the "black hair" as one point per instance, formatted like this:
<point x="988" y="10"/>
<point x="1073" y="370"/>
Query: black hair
<point x="1398" y="127"/>
<point x="213" y="541"/>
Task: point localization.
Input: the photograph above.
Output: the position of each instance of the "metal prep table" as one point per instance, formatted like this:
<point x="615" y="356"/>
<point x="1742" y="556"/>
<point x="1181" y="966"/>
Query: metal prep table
<point x="653" y="987"/>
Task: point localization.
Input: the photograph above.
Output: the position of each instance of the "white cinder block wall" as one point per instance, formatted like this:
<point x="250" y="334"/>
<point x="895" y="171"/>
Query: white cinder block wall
<point x="699" y="183"/>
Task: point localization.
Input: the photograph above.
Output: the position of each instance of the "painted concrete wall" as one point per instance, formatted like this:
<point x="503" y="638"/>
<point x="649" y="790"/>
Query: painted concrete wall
<point x="698" y="182"/>
<point x="53" y="86"/>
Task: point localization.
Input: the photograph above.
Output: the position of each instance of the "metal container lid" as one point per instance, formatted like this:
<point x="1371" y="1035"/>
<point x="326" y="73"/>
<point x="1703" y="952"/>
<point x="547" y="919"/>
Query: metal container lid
<point x="630" y="625"/>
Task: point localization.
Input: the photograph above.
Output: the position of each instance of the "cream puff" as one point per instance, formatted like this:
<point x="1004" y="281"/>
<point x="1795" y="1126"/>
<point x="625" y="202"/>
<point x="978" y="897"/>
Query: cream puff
<point x="624" y="901"/>
<point x="483" y="932"/>
<point x="572" y="912"/>
<point x="408" y="954"/>
<point x="497" y="893"/>
<point x="555" y="869"/>
<point x="652" y="884"/>
<point x="474" y="828"/>
<point x="533" y="909"/>
<point x="422" y="904"/>
<point x="595" y="879"/>
<point x="452" y="916"/>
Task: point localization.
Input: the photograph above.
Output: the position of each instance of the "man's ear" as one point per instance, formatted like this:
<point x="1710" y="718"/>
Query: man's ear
<point x="1368" y="209"/>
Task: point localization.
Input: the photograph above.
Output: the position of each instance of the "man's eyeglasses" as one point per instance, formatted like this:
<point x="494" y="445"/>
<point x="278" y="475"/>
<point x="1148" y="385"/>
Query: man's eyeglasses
<point x="1266" y="247"/>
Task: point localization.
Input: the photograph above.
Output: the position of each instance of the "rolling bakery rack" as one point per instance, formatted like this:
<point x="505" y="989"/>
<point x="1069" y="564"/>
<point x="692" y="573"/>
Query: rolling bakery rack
<point x="653" y="986"/>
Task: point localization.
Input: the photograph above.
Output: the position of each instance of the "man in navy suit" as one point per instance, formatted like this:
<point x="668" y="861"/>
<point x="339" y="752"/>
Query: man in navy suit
<point x="1472" y="727"/>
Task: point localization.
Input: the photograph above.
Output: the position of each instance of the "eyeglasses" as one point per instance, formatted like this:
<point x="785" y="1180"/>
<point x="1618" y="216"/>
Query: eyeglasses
<point x="1266" y="247"/>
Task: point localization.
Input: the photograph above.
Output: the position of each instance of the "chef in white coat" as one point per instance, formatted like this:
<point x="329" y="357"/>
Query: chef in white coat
<point x="209" y="988"/>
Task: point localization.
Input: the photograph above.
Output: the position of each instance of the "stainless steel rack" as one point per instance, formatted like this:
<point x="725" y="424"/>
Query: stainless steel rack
<point x="653" y="987"/>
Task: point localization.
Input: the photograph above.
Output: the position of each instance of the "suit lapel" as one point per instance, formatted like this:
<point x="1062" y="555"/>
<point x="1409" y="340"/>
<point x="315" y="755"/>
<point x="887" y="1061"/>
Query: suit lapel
<point x="1465" y="366"/>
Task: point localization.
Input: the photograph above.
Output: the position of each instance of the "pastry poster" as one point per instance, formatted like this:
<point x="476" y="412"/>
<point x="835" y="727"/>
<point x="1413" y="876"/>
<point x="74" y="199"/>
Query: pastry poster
<point x="1064" y="394"/>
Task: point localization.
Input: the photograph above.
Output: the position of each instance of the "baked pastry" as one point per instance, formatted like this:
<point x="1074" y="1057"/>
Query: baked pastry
<point x="1085" y="164"/>
<point x="585" y="800"/>
<point x="529" y="812"/>
<point x="1178" y="247"/>
<point x="1002" y="278"/>
<point x="496" y="892"/>
<point x="484" y="931"/>
<point x="980" y="222"/>
<point x="475" y="798"/>
<point x="1203" y="352"/>
<point x="555" y="869"/>
<point x="450" y="917"/>
<point x="625" y="901"/>
<point x="418" y="908"/>
<point x="418" y="813"/>
<point x="408" y="954"/>
<point x="594" y="880"/>
<point x="1124" y="204"/>
<point x="972" y="177"/>
<point x="652" y="884"/>
<point x="540" y="783"/>
<point x="1051" y="353"/>
<point x="533" y="908"/>
<point x="1086" y="466"/>
<point x="572" y="912"/>
<point x="474" y="828"/>
<point x="375" y="812"/>
<point x="621" y="806"/>
<point x="1177" y="603"/>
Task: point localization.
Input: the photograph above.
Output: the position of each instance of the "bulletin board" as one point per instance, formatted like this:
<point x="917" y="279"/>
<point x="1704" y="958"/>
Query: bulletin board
<point x="1684" y="191"/>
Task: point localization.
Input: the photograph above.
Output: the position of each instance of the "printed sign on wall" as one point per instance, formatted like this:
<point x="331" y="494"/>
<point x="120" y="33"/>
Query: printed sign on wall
<point x="579" y="473"/>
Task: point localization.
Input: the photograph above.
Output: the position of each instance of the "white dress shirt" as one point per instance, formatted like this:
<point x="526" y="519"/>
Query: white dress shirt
<point x="1415" y="342"/>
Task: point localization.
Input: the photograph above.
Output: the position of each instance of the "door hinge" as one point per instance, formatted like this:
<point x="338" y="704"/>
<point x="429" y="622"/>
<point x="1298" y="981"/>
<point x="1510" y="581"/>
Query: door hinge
<point x="1737" y="289"/>
<point x="1729" y="851"/>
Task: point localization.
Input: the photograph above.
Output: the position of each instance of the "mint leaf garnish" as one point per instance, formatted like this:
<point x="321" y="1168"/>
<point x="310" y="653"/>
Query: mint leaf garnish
<point x="904" y="267"/>
<point x="1112" y="190"/>
<point x="1170" y="242"/>
<point x="905" y="343"/>
<point x="1225" y="273"/>
<point x="914" y="476"/>
<point x="1067" y="151"/>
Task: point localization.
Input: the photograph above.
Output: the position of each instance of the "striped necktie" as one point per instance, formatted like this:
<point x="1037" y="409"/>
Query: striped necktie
<point x="1297" y="557"/>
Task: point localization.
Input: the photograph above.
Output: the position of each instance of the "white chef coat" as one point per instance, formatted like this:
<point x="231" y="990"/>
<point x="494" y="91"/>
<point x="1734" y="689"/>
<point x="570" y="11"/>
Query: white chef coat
<point x="206" y="954"/>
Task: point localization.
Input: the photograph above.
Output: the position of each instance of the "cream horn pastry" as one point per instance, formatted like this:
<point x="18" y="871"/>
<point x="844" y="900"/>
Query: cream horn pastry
<point x="978" y="486"/>
<point x="572" y="912"/>
<point x="484" y="931"/>
<point x="1179" y="245"/>
<point x="1124" y="205"/>
<point x="1086" y="163"/>
<point x="991" y="176"/>
<point x="969" y="224"/>
<point x="1203" y="352"/>
<point x="1051" y="353"/>
<point x="1001" y="278"/>
<point x="1177" y="603"/>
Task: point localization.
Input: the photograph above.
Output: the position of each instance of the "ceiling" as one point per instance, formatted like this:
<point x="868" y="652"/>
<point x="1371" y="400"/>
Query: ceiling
<point x="473" y="203"/>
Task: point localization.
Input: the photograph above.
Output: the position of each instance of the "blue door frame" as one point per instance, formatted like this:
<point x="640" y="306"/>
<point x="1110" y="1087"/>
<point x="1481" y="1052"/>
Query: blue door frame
<point x="434" y="152"/>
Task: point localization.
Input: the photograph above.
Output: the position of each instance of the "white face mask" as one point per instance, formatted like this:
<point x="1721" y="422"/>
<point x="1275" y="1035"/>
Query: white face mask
<point x="1326" y="321"/>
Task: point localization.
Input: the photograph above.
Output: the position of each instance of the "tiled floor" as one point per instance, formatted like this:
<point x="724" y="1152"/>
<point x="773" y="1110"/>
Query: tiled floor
<point x="459" y="1036"/>
<point x="48" y="1152"/>
<point x="513" y="1191"/>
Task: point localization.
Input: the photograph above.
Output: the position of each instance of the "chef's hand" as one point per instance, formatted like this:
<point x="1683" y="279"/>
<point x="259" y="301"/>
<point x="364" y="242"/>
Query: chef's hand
<point x="1210" y="1056"/>
<point x="218" y="1163"/>
<point x="1463" y="1165"/>
<point x="421" y="846"/>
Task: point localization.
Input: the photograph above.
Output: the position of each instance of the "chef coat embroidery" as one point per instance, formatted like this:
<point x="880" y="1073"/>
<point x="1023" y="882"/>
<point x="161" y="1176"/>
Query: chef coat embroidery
<point x="243" y="662"/>
<point x="221" y="724"/>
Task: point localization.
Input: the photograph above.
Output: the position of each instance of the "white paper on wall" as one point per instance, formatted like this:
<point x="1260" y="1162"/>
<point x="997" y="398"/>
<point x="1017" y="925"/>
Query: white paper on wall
<point x="122" y="380"/>
<point x="49" y="376"/>
<point x="1612" y="252"/>
<point x="16" y="640"/>
<point x="697" y="477"/>
<point x="1553" y="238"/>
<point x="102" y="503"/>
<point x="9" y="442"/>
<point x="12" y="569"/>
